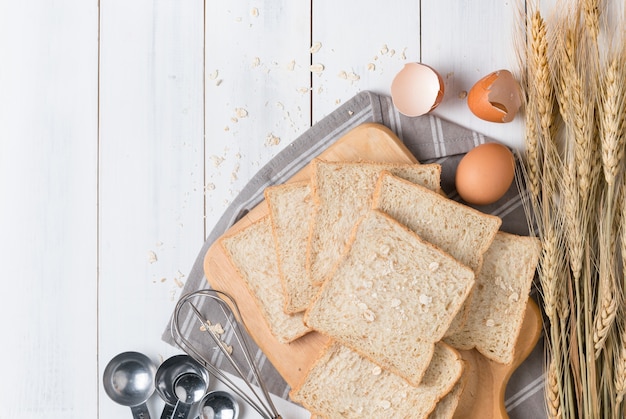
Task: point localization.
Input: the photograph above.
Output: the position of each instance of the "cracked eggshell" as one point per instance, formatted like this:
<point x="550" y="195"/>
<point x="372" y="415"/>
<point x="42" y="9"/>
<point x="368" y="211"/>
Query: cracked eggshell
<point x="417" y="89"/>
<point x="496" y="97"/>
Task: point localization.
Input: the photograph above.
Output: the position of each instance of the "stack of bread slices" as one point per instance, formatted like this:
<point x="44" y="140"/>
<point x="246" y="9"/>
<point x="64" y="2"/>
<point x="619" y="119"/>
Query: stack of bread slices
<point x="400" y="278"/>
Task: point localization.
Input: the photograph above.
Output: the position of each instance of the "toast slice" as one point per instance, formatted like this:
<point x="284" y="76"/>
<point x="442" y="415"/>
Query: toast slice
<point x="499" y="299"/>
<point x="342" y="193"/>
<point x="391" y="296"/>
<point x="290" y="208"/>
<point x="342" y="383"/>
<point x="457" y="229"/>
<point x="251" y="251"/>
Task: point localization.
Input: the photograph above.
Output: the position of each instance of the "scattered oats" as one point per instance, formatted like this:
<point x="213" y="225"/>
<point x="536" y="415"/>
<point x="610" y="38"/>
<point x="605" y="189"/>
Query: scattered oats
<point x="462" y="94"/>
<point x="514" y="297"/>
<point x="238" y="156"/>
<point x="159" y="243"/>
<point x="233" y="175"/>
<point x="371" y="66"/>
<point x="395" y="302"/>
<point x="425" y="299"/>
<point x="237" y="19"/>
<point x="217" y="161"/>
<point x="384" y="249"/>
<point x="369" y="315"/>
<point x="317" y="68"/>
<point x="228" y="348"/>
<point x="403" y="54"/>
<point x="490" y="323"/>
<point x="384" y="50"/>
<point x="342" y="75"/>
<point x="256" y="61"/>
<point x="304" y="89"/>
<point x="433" y="266"/>
<point x="213" y="75"/>
<point x="172" y="295"/>
<point x="362" y="306"/>
<point x="291" y="65"/>
<point x="178" y="282"/>
<point x="233" y="119"/>
<point x="315" y="47"/>
<point x="226" y="128"/>
<point x="320" y="90"/>
<point x="241" y="113"/>
<point x="385" y="404"/>
<point x="392" y="52"/>
<point x="271" y="140"/>
<point x="218" y="82"/>
<point x="152" y="257"/>
<point x="210" y="186"/>
<point x="254" y="12"/>
<point x="163" y="279"/>
<point x="338" y="101"/>
<point x="375" y="58"/>
<point x="376" y="370"/>
<point x="350" y="113"/>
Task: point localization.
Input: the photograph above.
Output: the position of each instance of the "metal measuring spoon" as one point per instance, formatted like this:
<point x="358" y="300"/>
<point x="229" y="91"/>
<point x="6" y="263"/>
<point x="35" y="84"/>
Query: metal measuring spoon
<point x="190" y="388"/>
<point x="218" y="405"/>
<point x="128" y="380"/>
<point x="168" y="373"/>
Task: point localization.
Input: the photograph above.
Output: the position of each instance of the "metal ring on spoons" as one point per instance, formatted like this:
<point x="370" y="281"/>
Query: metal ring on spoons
<point x="128" y="380"/>
<point x="218" y="405"/>
<point x="168" y="373"/>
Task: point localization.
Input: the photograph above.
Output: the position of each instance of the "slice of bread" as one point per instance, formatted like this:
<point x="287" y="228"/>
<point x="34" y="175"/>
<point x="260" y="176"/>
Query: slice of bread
<point x="342" y="193"/>
<point x="446" y="407"/>
<point x="342" y="383"/>
<point x="499" y="299"/>
<point x="290" y="208"/>
<point x="460" y="230"/>
<point x="252" y="253"/>
<point x="391" y="296"/>
<point x="457" y="229"/>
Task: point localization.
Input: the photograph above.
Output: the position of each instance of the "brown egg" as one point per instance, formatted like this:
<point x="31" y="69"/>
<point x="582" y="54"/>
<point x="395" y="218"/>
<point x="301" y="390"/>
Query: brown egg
<point x="496" y="97"/>
<point x="485" y="174"/>
<point x="417" y="89"/>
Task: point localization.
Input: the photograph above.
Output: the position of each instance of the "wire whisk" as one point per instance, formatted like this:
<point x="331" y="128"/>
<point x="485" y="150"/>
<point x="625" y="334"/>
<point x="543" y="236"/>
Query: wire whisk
<point x="233" y="330"/>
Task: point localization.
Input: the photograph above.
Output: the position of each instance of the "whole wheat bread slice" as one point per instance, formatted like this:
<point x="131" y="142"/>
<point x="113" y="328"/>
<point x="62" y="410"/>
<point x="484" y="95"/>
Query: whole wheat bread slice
<point x="342" y="383"/>
<point x="342" y="193"/>
<point x="391" y="296"/>
<point x="499" y="299"/>
<point x="252" y="253"/>
<point x="457" y="229"/>
<point x="290" y="207"/>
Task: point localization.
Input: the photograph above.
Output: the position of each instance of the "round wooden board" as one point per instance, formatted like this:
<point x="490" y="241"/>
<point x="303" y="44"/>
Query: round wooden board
<point x="486" y="380"/>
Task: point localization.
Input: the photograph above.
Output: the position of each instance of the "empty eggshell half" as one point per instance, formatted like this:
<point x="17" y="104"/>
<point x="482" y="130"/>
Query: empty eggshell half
<point x="417" y="89"/>
<point x="496" y="97"/>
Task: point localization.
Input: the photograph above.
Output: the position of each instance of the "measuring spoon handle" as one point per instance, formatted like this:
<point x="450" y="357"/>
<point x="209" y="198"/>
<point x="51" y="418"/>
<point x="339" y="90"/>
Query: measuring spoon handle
<point x="140" y="411"/>
<point x="181" y="410"/>
<point x="168" y="411"/>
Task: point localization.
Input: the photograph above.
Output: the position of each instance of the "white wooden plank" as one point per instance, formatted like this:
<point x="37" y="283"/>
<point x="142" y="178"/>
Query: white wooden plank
<point x="48" y="183"/>
<point x="257" y="90"/>
<point x="151" y="171"/>
<point x="363" y="46"/>
<point x="466" y="40"/>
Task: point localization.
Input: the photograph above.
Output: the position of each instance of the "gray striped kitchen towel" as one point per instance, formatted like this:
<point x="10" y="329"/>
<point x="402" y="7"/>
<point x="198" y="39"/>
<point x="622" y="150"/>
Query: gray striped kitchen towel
<point x="431" y="140"/>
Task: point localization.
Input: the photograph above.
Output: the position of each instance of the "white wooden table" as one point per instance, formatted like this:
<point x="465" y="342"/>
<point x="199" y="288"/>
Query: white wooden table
<point x="127" y="126"/>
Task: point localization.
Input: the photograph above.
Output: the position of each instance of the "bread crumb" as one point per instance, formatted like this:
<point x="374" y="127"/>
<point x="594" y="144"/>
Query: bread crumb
<point x="152" y="257"/>
<point x="163" y="279"/>
<point x="241" y="113"/>
<point x="315" y="47"/>
<point x="271" y="140"/>
<point x="371" y="66"/>
<point x="376" y="370"/>
<point x="317" y="68"/>
<point x="254" y="12"/>
<point x="433" y="266"/>
<point x="462" y="94"/>
<point x="256" y="61"/>
<point x="291" y="65"/>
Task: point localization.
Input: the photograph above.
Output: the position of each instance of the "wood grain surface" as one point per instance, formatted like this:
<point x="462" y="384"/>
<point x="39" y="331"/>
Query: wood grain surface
<point x="487" y="380"/>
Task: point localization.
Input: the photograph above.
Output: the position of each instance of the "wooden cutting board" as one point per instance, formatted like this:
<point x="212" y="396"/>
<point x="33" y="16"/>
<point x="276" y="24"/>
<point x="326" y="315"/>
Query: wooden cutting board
<point x="368" y="142"/>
